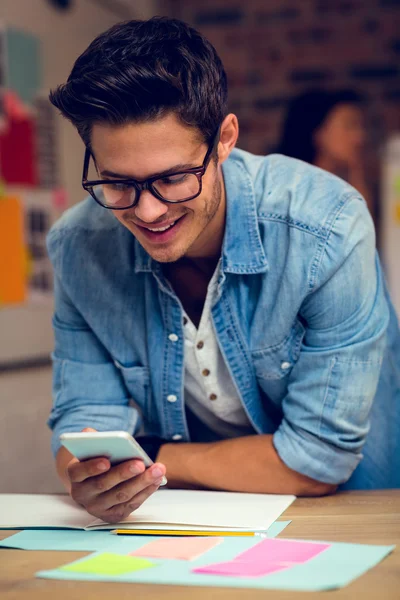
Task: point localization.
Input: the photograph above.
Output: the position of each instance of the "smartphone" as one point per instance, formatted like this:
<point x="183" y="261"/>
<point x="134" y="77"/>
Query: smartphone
<point x="117" y="446"/>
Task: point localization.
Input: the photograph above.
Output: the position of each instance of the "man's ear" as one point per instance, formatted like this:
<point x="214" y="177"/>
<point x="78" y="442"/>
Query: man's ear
<point x="228" y="137"/>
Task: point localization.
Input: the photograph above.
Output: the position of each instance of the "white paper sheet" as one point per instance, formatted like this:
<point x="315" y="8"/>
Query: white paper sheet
<point x="166" y="508"/>
<point x="21" y="511"/>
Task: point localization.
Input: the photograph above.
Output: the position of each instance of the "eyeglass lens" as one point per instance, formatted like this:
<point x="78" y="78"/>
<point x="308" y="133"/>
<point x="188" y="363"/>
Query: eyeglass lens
<point x="173" y="188"/>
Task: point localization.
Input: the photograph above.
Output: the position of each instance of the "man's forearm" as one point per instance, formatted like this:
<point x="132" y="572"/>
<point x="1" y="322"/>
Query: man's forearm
<point x="247" y="464"/>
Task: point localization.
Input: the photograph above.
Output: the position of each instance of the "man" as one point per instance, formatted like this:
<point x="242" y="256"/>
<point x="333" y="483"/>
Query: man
<point x="225" y="308"/>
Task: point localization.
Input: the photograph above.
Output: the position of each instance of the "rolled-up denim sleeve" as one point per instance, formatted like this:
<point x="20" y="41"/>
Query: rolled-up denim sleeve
<point x="88" y="390"/>
<point x="333" y="383"/>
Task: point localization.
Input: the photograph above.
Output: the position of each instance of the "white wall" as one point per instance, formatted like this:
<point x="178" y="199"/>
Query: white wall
<point x="26" y="463"/>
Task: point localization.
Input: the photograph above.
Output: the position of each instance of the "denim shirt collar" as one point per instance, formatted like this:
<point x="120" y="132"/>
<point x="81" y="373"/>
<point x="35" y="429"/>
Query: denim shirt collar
<point x="242" y="249"/>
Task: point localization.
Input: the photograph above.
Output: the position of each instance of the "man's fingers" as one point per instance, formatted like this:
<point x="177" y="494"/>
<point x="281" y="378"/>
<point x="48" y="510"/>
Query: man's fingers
<point x="71" y="469"/>
<point x="79" y="471"/>
<point x="125" y="491"/>
<point x="119" y="512"/>
<point x="88" y="482"/>
<point x="138" y="500"/>
<point x="118" y="474"/>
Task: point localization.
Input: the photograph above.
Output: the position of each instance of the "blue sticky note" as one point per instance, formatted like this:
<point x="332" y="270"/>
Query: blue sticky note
<point x="331" y="569"/>
<point x="59" y="539"/>
<point x="276" y="528"/>
<point x="90" y="541"/>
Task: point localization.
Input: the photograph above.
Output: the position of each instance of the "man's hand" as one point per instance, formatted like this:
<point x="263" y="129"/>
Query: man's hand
<point x="109" y="493"/>
<point x="112" y="493"/>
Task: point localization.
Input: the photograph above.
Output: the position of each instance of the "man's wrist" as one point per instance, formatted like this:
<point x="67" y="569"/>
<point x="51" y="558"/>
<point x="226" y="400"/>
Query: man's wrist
<point x="186" y="463"/>
<point x="166" y="451"/>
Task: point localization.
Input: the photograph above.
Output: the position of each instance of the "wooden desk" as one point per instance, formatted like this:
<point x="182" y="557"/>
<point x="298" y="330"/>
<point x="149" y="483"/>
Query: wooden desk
<point x="359" y="517"/>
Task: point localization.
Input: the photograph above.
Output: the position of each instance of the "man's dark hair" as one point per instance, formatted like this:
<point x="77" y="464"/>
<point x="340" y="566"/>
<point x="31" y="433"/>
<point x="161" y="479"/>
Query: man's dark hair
<point x="306" y="113"/>
<point x="138" y="71"/>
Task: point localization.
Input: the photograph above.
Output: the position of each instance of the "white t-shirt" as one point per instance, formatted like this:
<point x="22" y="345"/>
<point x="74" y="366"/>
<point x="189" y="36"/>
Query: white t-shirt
<point x="210" y="393"/>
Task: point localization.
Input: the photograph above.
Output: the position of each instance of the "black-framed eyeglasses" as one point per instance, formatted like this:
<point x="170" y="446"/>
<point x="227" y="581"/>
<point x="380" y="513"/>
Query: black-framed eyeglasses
<point x="120" y="194"/>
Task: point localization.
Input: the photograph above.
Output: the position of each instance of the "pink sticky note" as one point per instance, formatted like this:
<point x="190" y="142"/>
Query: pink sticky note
<point x="14" y="107"/>
<point x="237" y="568"/>
<point x="267" y="557"/>
<point x="278" y="550"/>
<point x="182" y="548"/>
<point x="60" y="199"/>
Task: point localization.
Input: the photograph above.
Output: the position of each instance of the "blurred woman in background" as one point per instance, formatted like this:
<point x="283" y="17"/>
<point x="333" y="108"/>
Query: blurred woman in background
<point x="326" y="128"/>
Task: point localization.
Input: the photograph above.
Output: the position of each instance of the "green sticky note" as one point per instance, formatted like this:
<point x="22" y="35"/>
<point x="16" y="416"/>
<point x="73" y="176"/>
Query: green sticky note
<point x="107" y="563"/>
<point x="24" y="69"/>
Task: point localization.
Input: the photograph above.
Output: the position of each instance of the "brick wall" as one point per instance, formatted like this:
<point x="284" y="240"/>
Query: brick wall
<point x="274" y="49"/>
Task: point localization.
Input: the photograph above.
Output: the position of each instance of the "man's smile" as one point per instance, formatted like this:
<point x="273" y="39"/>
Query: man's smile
<point x="163" y="232"/>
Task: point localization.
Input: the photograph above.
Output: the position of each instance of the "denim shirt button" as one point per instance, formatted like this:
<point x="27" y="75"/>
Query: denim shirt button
<point x="173" y="337"/>
<point x="176" y="437"/>
<point x="172" y="398"/>
<point x="285" y="366"/>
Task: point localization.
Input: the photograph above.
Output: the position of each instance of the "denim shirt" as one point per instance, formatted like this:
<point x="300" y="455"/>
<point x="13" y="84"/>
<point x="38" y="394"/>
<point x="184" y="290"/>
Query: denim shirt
<point x="301" y="313"/>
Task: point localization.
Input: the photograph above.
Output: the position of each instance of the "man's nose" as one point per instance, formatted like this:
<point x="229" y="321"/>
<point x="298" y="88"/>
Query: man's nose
<point x="149" y="208"/>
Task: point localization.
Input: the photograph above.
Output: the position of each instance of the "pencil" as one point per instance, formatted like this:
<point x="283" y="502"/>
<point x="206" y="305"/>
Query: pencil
<point x="193" y="532"/>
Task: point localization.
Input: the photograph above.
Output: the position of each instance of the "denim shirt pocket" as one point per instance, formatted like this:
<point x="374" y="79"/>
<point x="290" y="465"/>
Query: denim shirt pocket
<point x="137" y="382"/>
<point x="76" y="383"/>
<point x="274" y="364"/>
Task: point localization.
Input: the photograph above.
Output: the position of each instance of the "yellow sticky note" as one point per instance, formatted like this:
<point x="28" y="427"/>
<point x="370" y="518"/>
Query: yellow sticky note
<point x="397" y="213"/>
<point x="13" y="279"/>
<point x="107" y="563"/>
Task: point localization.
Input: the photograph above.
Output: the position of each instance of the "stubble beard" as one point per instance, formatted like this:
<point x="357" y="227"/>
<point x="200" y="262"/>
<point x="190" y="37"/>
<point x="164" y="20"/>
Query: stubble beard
<point x="209" y="212"/>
